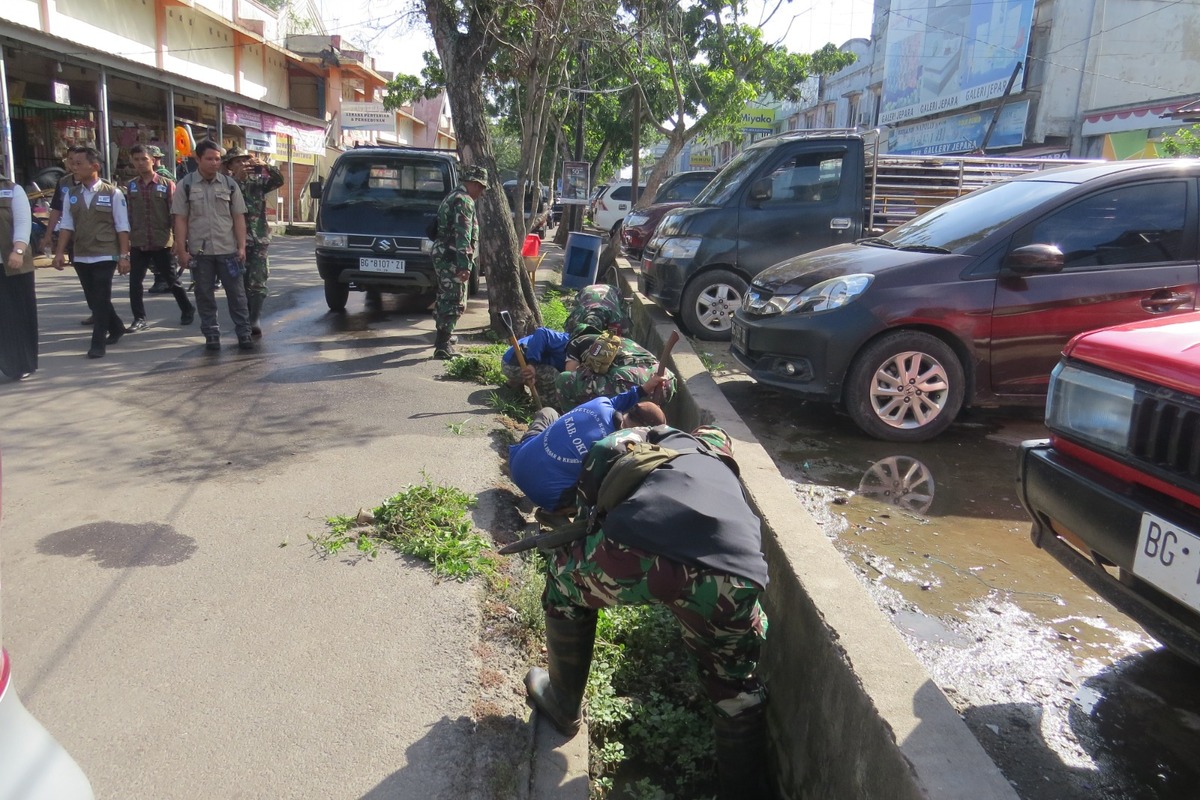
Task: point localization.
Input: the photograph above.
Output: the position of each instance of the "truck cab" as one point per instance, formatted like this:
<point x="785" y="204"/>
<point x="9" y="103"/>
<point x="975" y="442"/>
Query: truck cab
<point x="780" y="197"/>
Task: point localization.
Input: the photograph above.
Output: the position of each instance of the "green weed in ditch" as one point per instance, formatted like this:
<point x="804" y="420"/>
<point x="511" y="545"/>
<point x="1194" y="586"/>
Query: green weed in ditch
<point x="554" y="310"/>
<point x="510" y="404"/>
<point x="423" y="520"/>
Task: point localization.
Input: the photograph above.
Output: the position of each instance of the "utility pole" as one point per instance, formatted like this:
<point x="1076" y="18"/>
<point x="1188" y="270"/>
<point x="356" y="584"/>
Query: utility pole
<point x="577" y="210"/>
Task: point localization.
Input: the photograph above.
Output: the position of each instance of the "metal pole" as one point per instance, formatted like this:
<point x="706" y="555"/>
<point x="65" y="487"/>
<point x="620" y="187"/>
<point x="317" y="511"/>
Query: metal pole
<point x="171" y="154"/>
<point x="10" y="168"/>
<point x="577" y="210"/>
<point x="291" y="183"/>
<point x="103" y="139"/>
<point x="221" y="124"/>
<point x="996" y="116"/>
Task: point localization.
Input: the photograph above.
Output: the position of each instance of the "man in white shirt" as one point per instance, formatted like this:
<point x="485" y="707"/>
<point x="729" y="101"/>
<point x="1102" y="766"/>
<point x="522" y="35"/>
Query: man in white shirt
<point x="96" y="219"/>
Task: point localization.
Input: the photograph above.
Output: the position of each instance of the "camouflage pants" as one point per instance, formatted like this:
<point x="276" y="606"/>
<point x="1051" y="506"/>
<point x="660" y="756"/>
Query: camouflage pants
<point x="723" y="625"/>
<point x="451" y="295"/>
<point x="583" y="384"/>
<point x="544" y="380"/>
<point x="257" y="270"/>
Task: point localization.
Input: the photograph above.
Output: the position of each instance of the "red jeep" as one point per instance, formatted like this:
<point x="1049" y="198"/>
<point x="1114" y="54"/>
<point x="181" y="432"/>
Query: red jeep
<point x="1115" y="491"/>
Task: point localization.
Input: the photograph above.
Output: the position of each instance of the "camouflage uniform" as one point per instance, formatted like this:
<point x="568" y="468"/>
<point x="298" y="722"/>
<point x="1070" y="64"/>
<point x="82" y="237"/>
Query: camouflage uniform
<point x="632" y="366"/>
<point x="722" y="623"/>
<point x="255" y="187"/>
<point x="454" y="253"/>
<point x="600" y="307"/>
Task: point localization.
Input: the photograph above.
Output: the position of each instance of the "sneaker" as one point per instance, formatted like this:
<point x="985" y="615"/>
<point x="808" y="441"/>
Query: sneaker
<point x="89" y="321"/>
<point x="138" y="325"/>
<point x="245" y="343"/>
<point x="115" y="336"/>
<point x="96" y="352"/>
<point x="187" y="316"/>
<point x="212" y="343"/>
<point x="159" y="287"/>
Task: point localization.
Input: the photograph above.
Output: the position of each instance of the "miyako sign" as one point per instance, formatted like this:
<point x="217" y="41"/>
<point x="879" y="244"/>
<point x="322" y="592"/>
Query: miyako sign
<point x="359" y="116"/>
<point x="757" y="120"/>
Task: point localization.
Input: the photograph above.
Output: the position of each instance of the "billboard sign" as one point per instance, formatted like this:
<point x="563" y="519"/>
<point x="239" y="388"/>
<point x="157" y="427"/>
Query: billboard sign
<point x="961" y="133"/>
<point x="944" y="55"/>
<point x="757" y="120"/>
<point x="358" y="116"/>
<point x="575" y="189"/>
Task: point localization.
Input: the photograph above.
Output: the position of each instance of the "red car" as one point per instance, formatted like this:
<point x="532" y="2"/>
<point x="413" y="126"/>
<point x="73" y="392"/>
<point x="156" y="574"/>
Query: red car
<point x="677" y="190"/>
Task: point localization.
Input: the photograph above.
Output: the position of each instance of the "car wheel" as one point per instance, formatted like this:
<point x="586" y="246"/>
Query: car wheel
<point x="336" y="295"/>
<point x="709" y="303"/>
<point x="906" y="386"/>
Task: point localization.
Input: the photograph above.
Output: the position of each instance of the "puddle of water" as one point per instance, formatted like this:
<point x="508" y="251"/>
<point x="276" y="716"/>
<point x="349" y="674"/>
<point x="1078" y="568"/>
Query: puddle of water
<point x="120" y="545"/>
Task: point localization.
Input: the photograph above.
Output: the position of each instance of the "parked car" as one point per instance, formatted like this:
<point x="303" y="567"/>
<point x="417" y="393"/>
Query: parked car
<point x="537" y="214"/>
<point x="33" y="766"/>
<point x="677" y="190"/>
<point x="371" y="224"/>
<point x="791" y="194"/>
<point x="612" y="204"/>
<point x="556" y="213"/>
<point x="595" y="195"/>
<point x="971" y="303"/>
<point x="1114" y="493"/>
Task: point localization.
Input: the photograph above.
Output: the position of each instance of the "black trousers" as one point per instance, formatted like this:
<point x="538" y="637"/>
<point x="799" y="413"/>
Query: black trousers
<point x="158" y="261"/>
<point x="96" y="280"/>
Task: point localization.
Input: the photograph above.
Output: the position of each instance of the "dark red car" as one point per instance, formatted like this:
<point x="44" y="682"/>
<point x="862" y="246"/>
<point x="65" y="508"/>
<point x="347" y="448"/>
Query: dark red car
<point x="677" y="190"/>
<point x="971" y="303"/>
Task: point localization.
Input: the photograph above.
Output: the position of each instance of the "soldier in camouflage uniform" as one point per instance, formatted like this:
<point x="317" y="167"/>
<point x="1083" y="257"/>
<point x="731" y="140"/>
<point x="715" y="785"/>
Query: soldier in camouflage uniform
<point x="686" y="539"/>
<point x="256" y="179"/>
<point x="454" y="256"/>
<point x="632" y="366"/>
<point x="598" y="307"/>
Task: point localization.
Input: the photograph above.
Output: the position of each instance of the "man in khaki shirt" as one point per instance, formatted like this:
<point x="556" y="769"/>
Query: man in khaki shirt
<point x="210" y="237"/>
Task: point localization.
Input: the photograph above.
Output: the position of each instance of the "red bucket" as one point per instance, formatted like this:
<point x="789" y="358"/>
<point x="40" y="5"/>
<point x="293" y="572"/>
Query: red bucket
<point x="532" y="246"/>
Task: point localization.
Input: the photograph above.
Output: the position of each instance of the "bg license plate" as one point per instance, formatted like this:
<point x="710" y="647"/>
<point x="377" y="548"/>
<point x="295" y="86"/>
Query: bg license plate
<point x="1169" y="557"/>
<point x="381" y="264"/>
<point x="739" y="337"/>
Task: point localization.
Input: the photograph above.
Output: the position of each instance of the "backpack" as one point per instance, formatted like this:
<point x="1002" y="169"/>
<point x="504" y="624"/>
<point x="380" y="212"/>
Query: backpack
<point x="604" y="350"/>
<point x="619" y="482"/>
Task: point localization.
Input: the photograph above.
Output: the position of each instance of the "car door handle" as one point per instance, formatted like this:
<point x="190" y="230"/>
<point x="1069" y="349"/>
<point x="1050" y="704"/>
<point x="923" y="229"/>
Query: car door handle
<point x="1160" y="302"/>
<point x="840" y="223"/>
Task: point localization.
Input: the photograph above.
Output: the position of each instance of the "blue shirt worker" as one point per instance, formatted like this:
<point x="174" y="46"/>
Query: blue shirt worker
<point x="545" y="352"/>
<point x="546" y="462"/>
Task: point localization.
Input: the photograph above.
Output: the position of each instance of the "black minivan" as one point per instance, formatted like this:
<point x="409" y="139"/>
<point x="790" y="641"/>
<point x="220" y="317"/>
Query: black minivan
<point x="371" y="225"/>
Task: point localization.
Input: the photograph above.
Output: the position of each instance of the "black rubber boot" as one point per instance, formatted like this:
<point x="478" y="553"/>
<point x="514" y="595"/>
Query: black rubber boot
<point x="742" y="755"/>
<point x="254" y="306"/>
<point x="442" y="346"/>
<point x="559" y="693"/>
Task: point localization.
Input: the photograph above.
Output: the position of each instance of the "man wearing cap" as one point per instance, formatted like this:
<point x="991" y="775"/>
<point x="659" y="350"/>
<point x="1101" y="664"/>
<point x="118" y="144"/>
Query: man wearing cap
<point x="157" y="155"/>
<point x="454" y="256"/>
<point x="149" y="198"/>
<point x="256" y="179"/>
<point x="684" y="538"/>
<point x="210" y="237"/>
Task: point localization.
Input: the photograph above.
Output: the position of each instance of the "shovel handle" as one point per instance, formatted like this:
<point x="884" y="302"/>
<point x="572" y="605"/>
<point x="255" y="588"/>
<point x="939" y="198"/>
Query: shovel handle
<point x="516" y="346"/>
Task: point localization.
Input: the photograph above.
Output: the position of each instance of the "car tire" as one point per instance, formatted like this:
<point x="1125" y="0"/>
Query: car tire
<point x="336" y="295"/>
<point x="883" y="395"/>
<point x="709" y="302"/>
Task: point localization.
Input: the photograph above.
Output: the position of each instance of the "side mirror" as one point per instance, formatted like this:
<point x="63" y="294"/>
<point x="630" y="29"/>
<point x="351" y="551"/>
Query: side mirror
<point x="1034" y="259"/>
<point x="760" y="190"/>
<point x="315" y="189"/>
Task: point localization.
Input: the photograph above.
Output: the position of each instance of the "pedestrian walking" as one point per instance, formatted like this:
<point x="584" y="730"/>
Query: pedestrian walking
<point x="547" y="461"/>
<point x="49" y="241"/>
<point x="454" y="252"/>
<point x="149" y="198"/>
<point x="210" y="238"/>
<point x="18" y="301"/>
<point x="95" y="221"/>
<point x="686" y="539"/>
<point x="256" y="179"/>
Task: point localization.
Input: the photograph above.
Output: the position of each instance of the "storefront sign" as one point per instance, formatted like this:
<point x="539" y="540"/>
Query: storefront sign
<point x="700" y="161"/>
<point x="357" y="116"/>
<point x="942" y="56"/>
<point x="260" y="141"/>
<point x="62" y="93"/>
<point x="756" y="119"/>
<point x="961" y="133"/>
<point x="243" y="117"/>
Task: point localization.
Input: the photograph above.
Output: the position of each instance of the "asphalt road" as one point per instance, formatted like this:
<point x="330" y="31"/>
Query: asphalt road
<point x="168" y="619"/>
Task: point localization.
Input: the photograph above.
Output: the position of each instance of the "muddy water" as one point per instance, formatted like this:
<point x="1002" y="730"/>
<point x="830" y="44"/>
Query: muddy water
<point x="1070" y="697"/>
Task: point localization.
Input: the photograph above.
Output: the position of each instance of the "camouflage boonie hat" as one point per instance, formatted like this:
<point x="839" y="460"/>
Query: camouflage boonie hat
<point x="154" y="152"/>
<point x="234" y="153"/>
<point x="477" y="174"/>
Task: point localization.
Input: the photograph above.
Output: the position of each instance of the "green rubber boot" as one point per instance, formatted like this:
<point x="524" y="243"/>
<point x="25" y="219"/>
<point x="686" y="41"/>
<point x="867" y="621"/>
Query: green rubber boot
<point x="559" y="693"/>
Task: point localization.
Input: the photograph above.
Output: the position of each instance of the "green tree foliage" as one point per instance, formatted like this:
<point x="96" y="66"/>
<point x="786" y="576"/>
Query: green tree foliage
<point x="1184" y="143"/>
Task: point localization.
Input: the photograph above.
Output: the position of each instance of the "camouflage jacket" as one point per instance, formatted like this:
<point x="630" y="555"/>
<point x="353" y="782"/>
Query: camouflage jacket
<point x="255" y="188"/>
<point x="598" y="307"/>
<point x="458" y="231"/>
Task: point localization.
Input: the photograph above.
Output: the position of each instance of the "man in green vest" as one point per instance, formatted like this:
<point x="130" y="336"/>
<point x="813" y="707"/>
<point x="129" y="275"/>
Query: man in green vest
<point x="96" y="221"/>
<point x="149" y="202"/>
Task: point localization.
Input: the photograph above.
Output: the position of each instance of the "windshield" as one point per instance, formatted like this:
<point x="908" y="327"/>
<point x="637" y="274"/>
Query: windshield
<point x="730" y="178"/>
<point x="412" y="184"/>
<point x="961" y="223"/>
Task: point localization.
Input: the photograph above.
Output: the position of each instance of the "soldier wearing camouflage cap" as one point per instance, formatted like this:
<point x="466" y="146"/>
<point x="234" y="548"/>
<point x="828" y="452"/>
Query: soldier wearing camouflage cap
<point x="157" y="154"/>
<point x="684" y="538"/>
<point x="454" y="253"/>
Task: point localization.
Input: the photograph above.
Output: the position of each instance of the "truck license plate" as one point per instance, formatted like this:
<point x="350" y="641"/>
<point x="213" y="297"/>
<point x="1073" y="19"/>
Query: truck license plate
<point x="1169" y="557"/>
<point x="739" y="337"/>
<point x="381" y="264"/>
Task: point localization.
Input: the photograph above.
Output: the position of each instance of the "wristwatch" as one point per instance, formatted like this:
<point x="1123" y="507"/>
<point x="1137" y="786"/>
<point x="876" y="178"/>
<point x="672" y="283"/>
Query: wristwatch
<point x="19" y="251"/>
<point x="124" y="256"/>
